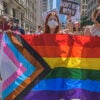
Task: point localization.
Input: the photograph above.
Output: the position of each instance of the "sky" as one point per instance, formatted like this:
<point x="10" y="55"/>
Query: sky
<point x="54" y="3"/>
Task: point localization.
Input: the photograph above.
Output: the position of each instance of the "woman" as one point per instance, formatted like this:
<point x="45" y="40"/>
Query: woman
<point x="52" y="24"/>
<point x="94" y="30"/>
<point x="3" y="24"/>
<point x="69" y="25"/>
<point x="77" y="29"/>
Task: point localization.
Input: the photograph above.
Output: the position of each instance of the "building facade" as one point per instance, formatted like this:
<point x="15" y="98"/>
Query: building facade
<point x="92" y="5"/>
<point x="88" y="6"/>
<point x="50" y="5"/>
<point x="30" y="14"/>
<point x="24" y="10"/>
<point x="41" y="7"/>
<point x="84" y="7"/>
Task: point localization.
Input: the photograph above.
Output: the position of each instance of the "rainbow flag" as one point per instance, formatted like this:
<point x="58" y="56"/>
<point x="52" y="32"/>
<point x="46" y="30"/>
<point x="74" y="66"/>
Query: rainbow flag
<point x="51" y="67"/>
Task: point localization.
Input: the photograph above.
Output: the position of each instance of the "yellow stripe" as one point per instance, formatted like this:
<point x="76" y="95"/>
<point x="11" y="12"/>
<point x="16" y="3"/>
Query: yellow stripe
<point x="81" y="63"/>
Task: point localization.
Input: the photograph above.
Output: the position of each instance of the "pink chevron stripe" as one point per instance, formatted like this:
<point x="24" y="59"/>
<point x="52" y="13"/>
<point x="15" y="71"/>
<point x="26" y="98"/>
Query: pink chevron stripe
<point x="20" y="71"/>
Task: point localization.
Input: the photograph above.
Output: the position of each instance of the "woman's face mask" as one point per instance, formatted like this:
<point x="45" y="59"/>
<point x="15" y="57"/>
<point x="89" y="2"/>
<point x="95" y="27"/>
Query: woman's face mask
<point x="52" y="22"/>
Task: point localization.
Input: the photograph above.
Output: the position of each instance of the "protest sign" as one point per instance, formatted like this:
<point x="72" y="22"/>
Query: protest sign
<point x="68" y="7"/>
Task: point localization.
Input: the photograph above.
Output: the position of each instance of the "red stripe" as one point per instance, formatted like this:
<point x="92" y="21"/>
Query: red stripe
<point x="62" y="40"/>
<point x="48" y="45"/>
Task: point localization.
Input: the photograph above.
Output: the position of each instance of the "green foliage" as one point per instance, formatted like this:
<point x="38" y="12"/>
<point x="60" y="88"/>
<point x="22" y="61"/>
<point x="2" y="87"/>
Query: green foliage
<point x="85" y="21"/>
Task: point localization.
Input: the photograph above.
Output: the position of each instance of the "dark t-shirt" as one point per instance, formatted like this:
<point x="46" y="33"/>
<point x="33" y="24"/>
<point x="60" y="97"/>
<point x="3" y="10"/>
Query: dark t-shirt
<point x="19" y="29"/>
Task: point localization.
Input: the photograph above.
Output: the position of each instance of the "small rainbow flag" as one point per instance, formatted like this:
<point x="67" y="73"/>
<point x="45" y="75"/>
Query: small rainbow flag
<point x="51" y="67"/>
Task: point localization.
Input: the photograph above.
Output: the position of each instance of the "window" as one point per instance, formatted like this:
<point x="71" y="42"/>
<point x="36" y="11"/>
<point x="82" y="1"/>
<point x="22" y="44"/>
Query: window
<point x="5" y="7"/>
<point x="82" y="12"/>
<point x="83" y="1"/>
<point x="14" y="13"/>
<point x="83" y="7"/>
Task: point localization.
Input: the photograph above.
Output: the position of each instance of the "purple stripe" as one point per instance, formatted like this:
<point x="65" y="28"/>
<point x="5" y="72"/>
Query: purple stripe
<point x="62" y="95"/>
<point x="20" y="71"/>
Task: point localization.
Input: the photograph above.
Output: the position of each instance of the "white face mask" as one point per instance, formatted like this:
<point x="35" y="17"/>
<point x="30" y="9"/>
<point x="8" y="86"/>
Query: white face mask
<point x="52" y="24"/>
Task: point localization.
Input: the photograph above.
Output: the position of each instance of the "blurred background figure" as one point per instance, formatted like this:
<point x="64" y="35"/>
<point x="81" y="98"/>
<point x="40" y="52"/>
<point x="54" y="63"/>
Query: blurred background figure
<point x="39" y="30"/>
<point x="27" y="30"/>
<point x="11" y="23"/>
<point x="69" y="25"/>
<point x="3" y="23"/>
<point x="94" y="30"/>
<point x="17" y="28"/>
<point x="77" y="29"/>
<point x="31" y="31"/>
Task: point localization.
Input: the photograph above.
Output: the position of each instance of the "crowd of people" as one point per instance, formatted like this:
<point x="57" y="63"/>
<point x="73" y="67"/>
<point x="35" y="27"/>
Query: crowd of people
<point x="52" y="25"/>
<point x="10" y="24"/>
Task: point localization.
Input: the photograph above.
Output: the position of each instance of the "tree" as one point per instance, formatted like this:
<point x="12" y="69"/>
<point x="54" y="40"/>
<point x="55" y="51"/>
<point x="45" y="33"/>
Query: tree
<point x="85" y="21"/>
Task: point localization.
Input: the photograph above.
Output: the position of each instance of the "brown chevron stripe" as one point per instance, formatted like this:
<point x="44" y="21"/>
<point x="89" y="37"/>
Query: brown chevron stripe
<point x="32" y="60"/>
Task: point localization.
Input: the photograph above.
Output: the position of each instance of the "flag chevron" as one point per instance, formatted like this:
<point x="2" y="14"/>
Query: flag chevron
<point x="56" y="67"/>
<point x="35" y="70"/>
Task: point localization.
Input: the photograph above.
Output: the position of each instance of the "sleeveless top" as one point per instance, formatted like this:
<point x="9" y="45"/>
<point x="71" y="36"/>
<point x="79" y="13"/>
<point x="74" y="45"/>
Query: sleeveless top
<point x="94" y="31"/>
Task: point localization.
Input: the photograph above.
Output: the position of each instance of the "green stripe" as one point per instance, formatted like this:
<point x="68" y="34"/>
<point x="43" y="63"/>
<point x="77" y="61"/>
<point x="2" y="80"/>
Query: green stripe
<point x="83" y="74"/>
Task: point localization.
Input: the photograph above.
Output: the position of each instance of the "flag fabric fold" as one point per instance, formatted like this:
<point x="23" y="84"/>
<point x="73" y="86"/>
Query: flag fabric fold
<point x="50" y="67"/>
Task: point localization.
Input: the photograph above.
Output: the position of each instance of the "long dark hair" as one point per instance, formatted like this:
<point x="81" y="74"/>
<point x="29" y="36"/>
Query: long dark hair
<point x="95" y="13"/>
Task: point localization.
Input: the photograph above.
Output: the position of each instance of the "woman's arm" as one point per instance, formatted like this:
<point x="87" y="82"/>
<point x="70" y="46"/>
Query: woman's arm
<point x="87" y="31"/>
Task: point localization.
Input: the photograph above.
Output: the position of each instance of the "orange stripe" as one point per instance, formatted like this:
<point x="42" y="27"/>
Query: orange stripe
<point x="62" y="40"/>
<point x="65" y="51"/>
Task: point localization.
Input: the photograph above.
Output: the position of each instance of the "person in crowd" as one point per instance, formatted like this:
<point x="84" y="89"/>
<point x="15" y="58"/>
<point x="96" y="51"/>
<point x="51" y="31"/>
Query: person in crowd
<point x="31" y="31"/>
<point x="39" y="30"/>
<point x="83" y="29"/>
<point x="94" y="30"/>
<point x="52" y="24"/>
<point x="11" y="23"/>
<point x="17" y="28"/>
<point x="3" y="23"/>
<point x="69" y="25"/>
<point x="27" y="30"/>
<point x="77" y="29"/>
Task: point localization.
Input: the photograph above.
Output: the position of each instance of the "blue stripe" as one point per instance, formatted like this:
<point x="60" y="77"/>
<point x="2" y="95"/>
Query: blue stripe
<point x="62" y="84"/>
<point x="29" y="67"/>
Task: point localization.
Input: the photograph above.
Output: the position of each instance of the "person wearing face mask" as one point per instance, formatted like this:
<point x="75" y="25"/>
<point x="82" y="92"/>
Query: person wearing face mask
<point x="94" y="30"/>
<point x="52" y="24"/>
<point x="17" y="28"/>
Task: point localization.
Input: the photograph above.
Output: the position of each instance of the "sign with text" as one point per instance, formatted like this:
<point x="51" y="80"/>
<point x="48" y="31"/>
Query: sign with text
<point x="68" y="7"/>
